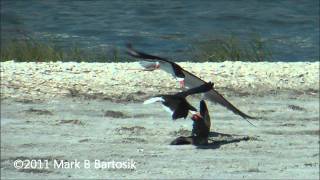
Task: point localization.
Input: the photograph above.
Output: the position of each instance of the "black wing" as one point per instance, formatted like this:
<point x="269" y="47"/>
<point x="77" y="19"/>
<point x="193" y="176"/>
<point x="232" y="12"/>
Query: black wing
<point x="205" y="87"/>
<point x="192" y="81"/>
<point x="167" y="65"/>
<point x="180" y="112"/>
<point x="134" y="53"/>
<point x="203" y="108"/>
<point x="205" y="114"/>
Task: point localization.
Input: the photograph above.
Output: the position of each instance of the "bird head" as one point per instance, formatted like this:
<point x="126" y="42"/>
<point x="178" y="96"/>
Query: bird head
<point x="196" y="117"/>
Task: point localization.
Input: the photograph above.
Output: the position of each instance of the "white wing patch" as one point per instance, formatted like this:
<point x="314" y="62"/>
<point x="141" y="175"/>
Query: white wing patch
<point x="180" y="79"/>
<point x="149" y="65"/>
<point x="167" y="109"/>
<point x="153" y="100"/>
<point x="193" y="112"/>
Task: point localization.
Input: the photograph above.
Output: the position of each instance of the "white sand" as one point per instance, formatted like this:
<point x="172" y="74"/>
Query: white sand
<point x="287" y="144"/>
<point x="119" y="81"/>
<point x="41" y="119"/>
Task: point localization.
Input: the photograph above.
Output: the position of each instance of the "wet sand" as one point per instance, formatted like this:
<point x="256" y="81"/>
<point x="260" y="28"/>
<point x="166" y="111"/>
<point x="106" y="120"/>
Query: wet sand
<point x="83" y="126"/>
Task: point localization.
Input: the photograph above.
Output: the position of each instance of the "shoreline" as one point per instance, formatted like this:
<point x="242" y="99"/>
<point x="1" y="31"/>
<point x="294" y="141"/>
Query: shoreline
<point x="125" y="82"/>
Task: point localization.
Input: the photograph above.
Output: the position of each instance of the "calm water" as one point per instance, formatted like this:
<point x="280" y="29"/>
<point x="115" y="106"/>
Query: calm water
<point x="290" y="27"/>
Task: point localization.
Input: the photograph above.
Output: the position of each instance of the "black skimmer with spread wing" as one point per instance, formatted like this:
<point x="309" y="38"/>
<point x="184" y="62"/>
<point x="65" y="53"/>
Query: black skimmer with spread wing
<point x="170" y="67"/>
<point x="185" y="78"/>
<point x="200" y="129"/>
<point x="176" y="104"/>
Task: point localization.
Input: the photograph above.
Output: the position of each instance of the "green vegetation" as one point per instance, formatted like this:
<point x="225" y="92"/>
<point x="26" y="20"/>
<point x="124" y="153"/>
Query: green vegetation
<point x="233" y="49"/>
<point x="36" y="51"/>
<point x="216" y="50"/>
<point x="29" y="51"/>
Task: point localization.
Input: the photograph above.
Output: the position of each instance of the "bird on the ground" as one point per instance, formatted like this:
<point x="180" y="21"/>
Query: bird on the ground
<point x="200" y="129"/>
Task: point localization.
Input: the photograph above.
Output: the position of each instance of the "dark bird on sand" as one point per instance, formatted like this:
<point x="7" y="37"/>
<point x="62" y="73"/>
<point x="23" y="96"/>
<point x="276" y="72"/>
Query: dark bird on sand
<point x="200" y="129"/>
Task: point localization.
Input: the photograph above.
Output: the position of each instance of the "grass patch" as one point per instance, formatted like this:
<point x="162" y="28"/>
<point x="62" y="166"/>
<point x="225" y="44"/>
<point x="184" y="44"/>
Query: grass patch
<point x="232" y="49"/>
<point x="30" y="50"/>
<point x="213" y="50"/>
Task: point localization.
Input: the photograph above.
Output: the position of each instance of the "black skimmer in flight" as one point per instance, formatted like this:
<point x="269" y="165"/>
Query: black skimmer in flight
<point x="186" y="78"/>
<point x="176" y="104"/>
<point x="200" y="129"/>
<point x="170" y="67"/>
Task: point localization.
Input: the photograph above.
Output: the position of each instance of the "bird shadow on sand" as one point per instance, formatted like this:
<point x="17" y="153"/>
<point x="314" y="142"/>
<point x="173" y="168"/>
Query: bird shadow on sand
<point x="216" y="140"/>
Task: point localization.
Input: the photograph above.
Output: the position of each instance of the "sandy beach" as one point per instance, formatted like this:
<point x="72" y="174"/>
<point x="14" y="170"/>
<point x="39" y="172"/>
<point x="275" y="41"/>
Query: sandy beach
<point x="126" y="81"/>
<point x="92" y="112"/>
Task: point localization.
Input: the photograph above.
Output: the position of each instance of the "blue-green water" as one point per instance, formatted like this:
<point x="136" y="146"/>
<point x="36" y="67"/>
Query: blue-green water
<point x="289" y="27"/>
